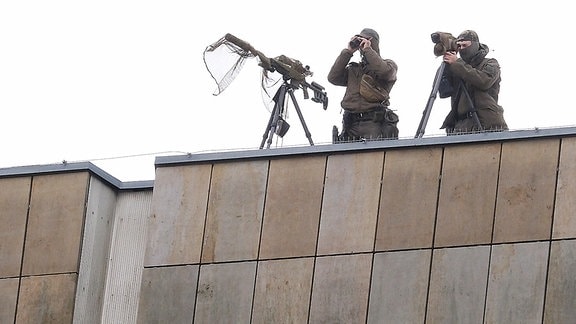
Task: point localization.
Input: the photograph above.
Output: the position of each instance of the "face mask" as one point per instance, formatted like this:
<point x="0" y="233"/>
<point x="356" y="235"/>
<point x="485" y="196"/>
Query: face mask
<point x="468" y="53"/>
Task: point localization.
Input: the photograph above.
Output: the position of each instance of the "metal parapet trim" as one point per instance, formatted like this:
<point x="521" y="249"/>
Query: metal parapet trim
<point x="509" y="135"/>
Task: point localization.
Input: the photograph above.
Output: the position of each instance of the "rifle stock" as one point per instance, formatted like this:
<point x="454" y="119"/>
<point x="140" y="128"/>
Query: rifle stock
<point x="264" y="60"/>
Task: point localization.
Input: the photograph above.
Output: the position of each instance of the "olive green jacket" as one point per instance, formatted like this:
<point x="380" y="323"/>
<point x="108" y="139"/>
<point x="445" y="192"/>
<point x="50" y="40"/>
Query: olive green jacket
<point x="482" y="81"/>
<point x="343" y="73"/>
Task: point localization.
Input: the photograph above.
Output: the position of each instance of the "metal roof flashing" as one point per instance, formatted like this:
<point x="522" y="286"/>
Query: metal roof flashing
<point x="222" y="156"/>
<point x="510" y="135"/>
<point x="75" y="167"/>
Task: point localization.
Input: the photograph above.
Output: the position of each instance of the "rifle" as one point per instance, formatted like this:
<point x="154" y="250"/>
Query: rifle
<point x="293" y="73"/>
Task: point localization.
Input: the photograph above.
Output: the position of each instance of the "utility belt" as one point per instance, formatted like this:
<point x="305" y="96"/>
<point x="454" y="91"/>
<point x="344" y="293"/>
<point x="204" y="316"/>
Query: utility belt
<point x="365" y="115"/>
<point x="379" y="115"/>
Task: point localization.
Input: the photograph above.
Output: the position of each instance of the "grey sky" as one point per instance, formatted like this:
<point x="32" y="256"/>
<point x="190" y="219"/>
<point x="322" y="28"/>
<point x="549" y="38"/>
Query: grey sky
<point x="120" y="82"/>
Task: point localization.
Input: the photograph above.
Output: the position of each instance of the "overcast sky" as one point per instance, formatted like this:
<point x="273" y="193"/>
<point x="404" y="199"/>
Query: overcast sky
<point x="121" y="82"/>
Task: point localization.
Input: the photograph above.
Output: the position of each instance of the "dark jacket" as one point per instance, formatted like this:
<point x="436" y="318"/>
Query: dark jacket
<point x="482" y="80"/>
<point x="343" y="73"/>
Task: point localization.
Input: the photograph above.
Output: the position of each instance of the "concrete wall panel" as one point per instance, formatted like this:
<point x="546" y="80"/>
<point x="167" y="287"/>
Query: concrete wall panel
<point x="350" y="205"/>
<point x="8" y="294"/>
<point x="46" y="299"/>
<point x="565" y="208"/>
<point x="458" y="285"/>
<point x="408" y="199"/>
<point x="127" y="257"/>
<point x="517" y="283"/>
<point x="292" y="212"/>
<point x="235" y="209"/>
<point x="340" y="289"/>
<point x="95" y="252"/>
<point x="176" y="224"/>
<point x="14" y="198"/>
<point x="168" y="294"/>
<point x="283" y="289"/>
<point x="55" y="223"/>
<point x="467" y="195"/>
<point x="526" y="190"/>
<point x="399" y="287"/>
<point x="561" y="288"/>
<point x="225" y="293"/>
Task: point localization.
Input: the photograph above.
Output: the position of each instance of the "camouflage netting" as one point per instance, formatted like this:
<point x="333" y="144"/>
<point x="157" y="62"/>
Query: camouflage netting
<point x="225" y="58"/>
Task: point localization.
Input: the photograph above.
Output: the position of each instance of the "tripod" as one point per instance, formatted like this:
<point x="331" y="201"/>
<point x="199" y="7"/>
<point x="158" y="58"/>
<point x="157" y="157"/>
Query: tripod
<point x="435" y="87"/>
<point x="276" y="124"/>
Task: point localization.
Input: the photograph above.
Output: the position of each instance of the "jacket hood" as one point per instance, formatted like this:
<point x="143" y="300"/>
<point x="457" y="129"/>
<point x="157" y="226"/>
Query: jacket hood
<point x="371" y="33"/>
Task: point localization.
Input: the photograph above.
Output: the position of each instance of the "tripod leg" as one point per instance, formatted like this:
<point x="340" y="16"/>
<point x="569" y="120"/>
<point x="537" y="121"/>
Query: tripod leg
<point x="335" y="138"/>
<point x="279" y="99"/>
<point x="268" y="127"/>
<point x="306" y="131"/>
<point x="428" y="108"/>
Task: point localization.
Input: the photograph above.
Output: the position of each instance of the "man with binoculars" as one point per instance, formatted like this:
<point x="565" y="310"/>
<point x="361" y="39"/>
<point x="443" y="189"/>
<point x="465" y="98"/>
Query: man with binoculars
<point x="473" y="83"/>
<point x="368" y="83"/>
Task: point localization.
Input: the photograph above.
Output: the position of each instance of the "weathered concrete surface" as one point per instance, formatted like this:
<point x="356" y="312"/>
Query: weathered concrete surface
<point x="399" y="287"/>
<point x="14" y="197"/>
<point x="8" y="297"/>
<point x="235" y="208"/>
<point x="561" y="288"/>
<point x="516" y="286"/>
<point x="526" y="190"/>
<point x="458" y="281"/>
<point x="467" y="195"/>
<point x="168" y="294"/>
<point x="292" y="211"/>
<point x="47" y="299"/>
<point x="283" y="289"/>
<point x="225" y="293"/>
<point x="55" y="223"/>
<point x="176" y="224"/>
<point x="408" y="199"/>
<point x="350" y="205"/>
<point x="565" y="207"/>
<point x="340" y="289"/>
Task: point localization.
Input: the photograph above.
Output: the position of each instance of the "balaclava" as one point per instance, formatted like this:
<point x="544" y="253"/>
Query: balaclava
<point x="468" y="53"/>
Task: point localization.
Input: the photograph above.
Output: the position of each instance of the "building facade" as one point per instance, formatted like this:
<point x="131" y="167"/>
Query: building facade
<point x="462" y="229"/>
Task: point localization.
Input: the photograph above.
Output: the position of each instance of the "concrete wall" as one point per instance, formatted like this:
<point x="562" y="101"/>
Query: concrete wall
<point x="451" y="232"/>
<point x="71" y="249"/>
<point x="42" y="220"/>
<point x="475" y="233"/>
